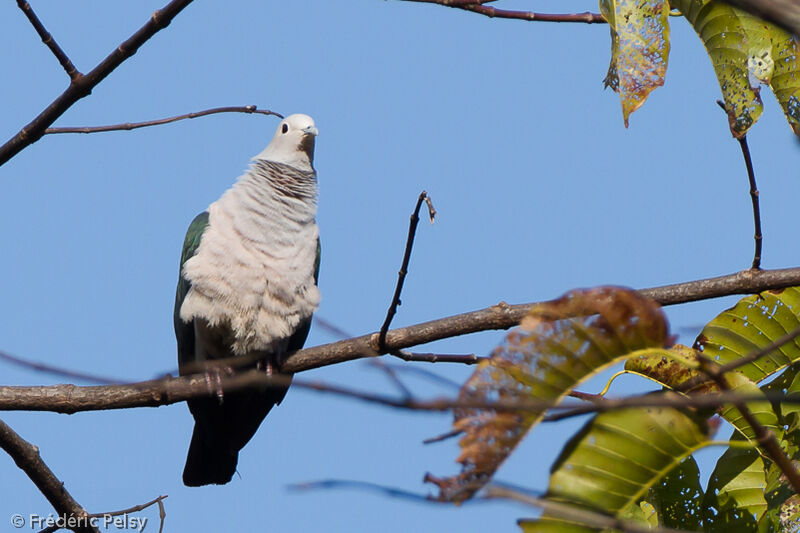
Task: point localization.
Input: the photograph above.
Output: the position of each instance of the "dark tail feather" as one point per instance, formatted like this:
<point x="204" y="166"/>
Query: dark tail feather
<point x="207" y="464"/>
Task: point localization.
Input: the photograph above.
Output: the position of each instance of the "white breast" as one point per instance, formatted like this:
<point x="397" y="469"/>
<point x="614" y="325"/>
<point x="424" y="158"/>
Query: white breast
<point x="254" y="268"/>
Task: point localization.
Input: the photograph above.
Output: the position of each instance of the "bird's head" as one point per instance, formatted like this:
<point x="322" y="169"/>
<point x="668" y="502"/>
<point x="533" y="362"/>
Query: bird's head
<point x="293" y="143"/>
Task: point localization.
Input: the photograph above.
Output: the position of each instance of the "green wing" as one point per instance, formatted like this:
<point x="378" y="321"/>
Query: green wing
<point x="184" y="331"/>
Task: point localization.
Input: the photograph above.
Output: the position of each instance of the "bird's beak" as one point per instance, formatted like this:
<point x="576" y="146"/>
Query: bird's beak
<point x="311" y="130"/>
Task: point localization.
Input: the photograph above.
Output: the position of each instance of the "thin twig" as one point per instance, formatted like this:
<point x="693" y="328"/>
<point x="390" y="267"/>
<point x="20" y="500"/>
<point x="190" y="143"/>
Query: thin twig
<point x="478" y="7"/>
<point x="129" y="510"/>
<point x="401" y="275"/>
<point x="82" y="85"/>
<point x="428" y="375"/>
<point x="754" y="198"/>
<point x="127" y="126"/>
<point x="330" y="327"/>
<point x="48" y="40"/>
<point x="467" y="359"/>
<point x="391" y="374"/>
<point x="27" y="457"/>
<point x="753" y="190"/>
<point x="58" y="371"/>
<point x="765" y="438"/>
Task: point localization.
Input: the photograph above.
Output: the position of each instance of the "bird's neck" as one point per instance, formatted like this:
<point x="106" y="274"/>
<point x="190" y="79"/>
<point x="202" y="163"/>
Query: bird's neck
<point x="277" y="193"/>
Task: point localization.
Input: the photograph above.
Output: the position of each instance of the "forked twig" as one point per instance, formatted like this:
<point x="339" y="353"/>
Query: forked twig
<point x="82" y="84"/>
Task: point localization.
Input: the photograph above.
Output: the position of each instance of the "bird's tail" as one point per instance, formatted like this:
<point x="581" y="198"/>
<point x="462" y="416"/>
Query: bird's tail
<point x="207" y="464"/>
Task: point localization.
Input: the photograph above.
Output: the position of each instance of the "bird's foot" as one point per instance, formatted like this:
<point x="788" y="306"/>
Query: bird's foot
<point x="214" y="377"/>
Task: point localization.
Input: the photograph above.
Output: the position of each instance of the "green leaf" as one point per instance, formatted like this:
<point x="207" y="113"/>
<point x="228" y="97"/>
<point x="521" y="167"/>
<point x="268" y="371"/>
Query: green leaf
<point x="639" y="49"/>
<point x="677" y="498"/>
<point x="675" y="366"/>
<point x="754" y="322"/>
<point x="671" y="367"/>
<point x="558" y="345"/>
<point x="746" y="52"/>
<point x="763" y="411"/>
<point x="783" y="504"/>
<point x="618" y="456"/>
<point x="734" y="499"/>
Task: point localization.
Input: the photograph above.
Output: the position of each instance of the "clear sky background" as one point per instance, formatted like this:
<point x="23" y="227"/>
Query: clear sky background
<point x="539" y="188"/>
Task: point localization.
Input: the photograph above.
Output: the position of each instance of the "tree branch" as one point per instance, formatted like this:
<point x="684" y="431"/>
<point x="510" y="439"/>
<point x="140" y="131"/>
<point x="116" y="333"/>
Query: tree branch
<point x="401" y="275"/>
<point x="82" y="85"/>
<point x="27" y="457"/>
<point x="71" y="399"/>
<point x="135" y="125"/>
<point x="477" y="6"/>
<point x="504" y="316"/>
<point x="48" y="40"/>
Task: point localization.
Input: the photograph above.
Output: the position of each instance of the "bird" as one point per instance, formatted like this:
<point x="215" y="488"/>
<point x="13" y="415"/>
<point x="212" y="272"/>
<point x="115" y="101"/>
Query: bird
<point x="247" y="287"/>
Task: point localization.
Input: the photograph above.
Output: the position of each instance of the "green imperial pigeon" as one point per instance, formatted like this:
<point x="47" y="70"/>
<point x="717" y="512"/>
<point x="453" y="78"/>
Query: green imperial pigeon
<point x="248" y="287"/>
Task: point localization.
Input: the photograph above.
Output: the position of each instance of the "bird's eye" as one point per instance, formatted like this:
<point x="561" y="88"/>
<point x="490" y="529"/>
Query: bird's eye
<point x="284" y="128"/>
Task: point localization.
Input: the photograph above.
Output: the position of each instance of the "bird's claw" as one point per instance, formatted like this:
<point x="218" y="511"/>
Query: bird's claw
<point x="214" y="380"/>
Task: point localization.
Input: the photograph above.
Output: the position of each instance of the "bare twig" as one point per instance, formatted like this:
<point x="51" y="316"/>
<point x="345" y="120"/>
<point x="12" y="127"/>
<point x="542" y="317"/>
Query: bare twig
<point x="135" y="125"/>
<point x="58" y="371"/>
<point x="478" y="7"/>
<point x="381" y="365"/>
<point x="82" y="84"/>
<point x="48" y="40"/>
<point x="27" y="457"/>
<point x="134" y="509"/>
<point x="467" y="359"/>
<point x="401" y="275"/>
<point x="754" y="198"/>
<point x="330" y="327"/>
<point x="129" y="510"/>
<point x="753" y="191"/>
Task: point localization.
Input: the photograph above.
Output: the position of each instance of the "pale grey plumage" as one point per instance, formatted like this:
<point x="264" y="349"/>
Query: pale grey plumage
<point x="248" y="288"/>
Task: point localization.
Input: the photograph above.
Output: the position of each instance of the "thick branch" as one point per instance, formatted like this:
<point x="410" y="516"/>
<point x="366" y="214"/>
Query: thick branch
<point x="27" y="457"/>
<point x="135" y="125"/>
<point x="504" y="316"/>
<point x="71" y="398"/>
<point x="48" y="40"/>
<point x="82" y="85"/>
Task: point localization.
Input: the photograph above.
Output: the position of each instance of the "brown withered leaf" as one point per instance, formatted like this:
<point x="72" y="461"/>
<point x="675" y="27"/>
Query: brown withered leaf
<point x="558" y="345"/>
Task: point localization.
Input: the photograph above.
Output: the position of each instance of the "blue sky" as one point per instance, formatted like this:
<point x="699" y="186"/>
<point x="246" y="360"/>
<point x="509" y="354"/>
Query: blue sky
<point x="539" y="188"/>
